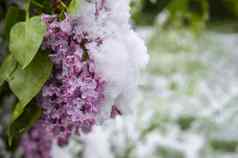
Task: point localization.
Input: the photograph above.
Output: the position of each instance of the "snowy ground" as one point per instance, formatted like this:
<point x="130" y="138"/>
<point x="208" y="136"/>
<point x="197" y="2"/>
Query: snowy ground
<point x="193" y="83"/>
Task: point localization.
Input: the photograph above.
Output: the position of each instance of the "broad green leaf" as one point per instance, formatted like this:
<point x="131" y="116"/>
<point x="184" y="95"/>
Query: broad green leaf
<point x="26" y="39"/>
<point x="31" y="114"/>
<point x="74" y="7"/>
<point x="26" y="83"/>
<point x="7" y="67"/>
<point x="14" y="15"/>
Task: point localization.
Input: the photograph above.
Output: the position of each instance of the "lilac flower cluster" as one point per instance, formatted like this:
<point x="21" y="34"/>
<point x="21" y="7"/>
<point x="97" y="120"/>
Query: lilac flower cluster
<point x="73" y="95"/>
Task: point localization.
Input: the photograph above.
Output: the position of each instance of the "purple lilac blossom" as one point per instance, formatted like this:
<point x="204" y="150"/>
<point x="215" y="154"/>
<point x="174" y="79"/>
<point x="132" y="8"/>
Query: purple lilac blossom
<point x="73" y="95"/>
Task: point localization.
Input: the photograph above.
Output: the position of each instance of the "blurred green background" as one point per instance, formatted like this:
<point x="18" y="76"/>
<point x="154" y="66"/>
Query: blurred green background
<point x="188" y="12"/>
<point x="191" y="80"/>
<point x="191" y="83"/>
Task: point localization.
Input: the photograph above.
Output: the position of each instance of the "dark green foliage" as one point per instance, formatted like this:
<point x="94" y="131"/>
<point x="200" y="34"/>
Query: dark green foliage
<point x="185" y="12"/>
<point x="185" y="122"/>
<point x="144" y="12"/>
<point x="31" y="114"/>
<point x="14" y="15"/>
<point x="7" y="68"/>
<point x="223" y="145"/>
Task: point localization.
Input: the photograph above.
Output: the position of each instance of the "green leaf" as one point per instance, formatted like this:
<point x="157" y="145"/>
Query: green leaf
<point x="26" y="83"/>
<point x="74" y="7"/>
<point x="14" y="15"/>
<point x="26" y="39"/>
<point x="16" y="128"/>
<point x="7" y="67"/>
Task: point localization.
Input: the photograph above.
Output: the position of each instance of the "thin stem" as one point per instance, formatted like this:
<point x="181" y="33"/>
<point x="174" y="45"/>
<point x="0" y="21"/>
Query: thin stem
<point x="61" y="15"/>
<point x="38" y="4"/>
<point x="27" y="9"/>
<point x="62" y="3"/>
